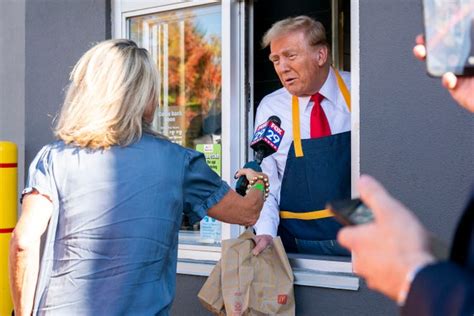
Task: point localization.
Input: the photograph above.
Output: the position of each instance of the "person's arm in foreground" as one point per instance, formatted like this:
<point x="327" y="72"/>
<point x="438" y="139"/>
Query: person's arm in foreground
<point x="24" y="250"/>
<point x="393" y="254"/>
<point x="444" y="288"/>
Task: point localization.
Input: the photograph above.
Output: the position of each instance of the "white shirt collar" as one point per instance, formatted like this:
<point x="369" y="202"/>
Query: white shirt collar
<point x="329" y="90"/>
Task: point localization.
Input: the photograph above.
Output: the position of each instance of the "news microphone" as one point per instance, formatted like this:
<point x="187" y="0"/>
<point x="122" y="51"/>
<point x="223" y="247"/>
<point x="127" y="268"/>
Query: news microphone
<point x="266" y="140"/>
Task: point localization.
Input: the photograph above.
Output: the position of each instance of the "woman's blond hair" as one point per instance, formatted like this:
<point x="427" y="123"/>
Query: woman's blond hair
<point x="314" y="31"/>
<point x="111" y="87"/>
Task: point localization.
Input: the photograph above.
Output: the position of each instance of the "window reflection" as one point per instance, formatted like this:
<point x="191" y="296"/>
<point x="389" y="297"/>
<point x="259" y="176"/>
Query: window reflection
<point x="186" y="46"/>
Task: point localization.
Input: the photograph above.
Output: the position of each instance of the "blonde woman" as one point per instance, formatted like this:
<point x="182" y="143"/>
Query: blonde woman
<point x="109" y="196"/>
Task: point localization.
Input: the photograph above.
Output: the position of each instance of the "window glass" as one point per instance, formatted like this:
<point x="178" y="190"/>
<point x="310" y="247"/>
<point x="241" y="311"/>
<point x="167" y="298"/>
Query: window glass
<point x="186" y="46"/>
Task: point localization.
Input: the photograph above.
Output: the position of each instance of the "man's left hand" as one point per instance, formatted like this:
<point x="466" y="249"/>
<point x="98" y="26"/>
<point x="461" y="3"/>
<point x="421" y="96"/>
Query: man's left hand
<point x="261" y="243"/>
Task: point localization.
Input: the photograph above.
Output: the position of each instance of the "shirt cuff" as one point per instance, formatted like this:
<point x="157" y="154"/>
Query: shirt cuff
<point x="402" y="295"/>
<point x="215" y="198"/>
<point x="265" y="228"/>
<point x="40" y="191"/>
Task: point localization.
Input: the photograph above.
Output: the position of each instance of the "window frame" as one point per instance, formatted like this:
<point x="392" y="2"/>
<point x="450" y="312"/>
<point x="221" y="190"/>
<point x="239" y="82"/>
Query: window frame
<point x="237" y="102"/>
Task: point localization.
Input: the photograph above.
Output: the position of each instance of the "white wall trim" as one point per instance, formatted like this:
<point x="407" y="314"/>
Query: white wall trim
<point x="355" y="95"/>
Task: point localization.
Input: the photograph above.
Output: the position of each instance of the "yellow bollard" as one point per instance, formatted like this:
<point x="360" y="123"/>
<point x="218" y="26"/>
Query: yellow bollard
<point x="8" y="217"/>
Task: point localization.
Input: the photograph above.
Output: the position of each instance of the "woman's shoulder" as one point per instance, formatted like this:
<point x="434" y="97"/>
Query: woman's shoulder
<point x="46" y="155"/>
<point x="50" y="148"/>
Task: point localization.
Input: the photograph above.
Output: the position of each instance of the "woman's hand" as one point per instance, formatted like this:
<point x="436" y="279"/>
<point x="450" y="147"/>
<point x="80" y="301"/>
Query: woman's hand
<point x="250" y="174"/>
<point x="254" y="177"/>
<point x="234" y="208"/>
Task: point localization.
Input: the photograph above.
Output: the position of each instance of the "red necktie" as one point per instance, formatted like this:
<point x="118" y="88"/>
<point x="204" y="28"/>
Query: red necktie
<point x="319" y="122"/>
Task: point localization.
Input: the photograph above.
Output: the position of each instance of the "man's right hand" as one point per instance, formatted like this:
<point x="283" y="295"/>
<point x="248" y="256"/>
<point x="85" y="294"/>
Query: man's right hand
<point x="261" y="243"/>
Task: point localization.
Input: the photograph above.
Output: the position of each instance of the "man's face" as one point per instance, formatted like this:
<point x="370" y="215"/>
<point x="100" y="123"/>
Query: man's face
<point x="299" y="66"/>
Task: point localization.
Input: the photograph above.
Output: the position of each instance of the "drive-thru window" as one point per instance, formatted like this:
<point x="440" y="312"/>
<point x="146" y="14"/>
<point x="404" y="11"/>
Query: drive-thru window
<point x="213" y="76"/>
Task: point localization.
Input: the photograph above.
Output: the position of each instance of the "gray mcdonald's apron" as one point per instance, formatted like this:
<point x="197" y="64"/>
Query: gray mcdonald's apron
<point x="317" y="170"/>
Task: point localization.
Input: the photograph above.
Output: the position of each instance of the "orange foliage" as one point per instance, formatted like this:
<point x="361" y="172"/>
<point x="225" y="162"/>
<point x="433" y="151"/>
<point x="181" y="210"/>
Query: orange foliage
<point x="202" y="66"/>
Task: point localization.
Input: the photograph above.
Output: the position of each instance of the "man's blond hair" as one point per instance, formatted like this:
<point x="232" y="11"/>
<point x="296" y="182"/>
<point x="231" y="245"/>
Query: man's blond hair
<point x="314" y="31"/>
<point x="111" y="86"/>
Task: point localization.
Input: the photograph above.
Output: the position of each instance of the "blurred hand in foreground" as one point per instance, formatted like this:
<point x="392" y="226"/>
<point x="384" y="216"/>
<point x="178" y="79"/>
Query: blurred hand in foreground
<point x="387" y="250"/>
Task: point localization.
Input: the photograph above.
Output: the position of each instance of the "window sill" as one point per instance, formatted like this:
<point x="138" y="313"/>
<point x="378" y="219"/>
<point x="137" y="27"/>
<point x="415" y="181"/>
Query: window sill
<point x="324" y="272"/>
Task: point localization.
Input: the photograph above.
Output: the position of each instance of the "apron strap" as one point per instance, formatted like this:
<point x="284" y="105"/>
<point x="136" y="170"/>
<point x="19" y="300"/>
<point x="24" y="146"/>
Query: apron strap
<point x="342" y="86"/>
<point x="306" y="215"/>
<point x="295" y="111"/>
<point x="296" y="126"/>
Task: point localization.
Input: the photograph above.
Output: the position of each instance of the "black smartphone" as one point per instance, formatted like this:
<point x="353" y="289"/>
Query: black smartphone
<point x="449" y="36"/>
<point x="350" y="212"/>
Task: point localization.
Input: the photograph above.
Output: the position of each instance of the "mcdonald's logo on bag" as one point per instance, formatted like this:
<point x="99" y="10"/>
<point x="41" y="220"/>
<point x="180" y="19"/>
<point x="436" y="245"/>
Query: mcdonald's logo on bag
<point x="282" y="299"/>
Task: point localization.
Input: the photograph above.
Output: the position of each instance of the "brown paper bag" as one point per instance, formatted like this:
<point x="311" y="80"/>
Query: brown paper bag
<point x="250" y="285"/>
<point x="210" y="294"/>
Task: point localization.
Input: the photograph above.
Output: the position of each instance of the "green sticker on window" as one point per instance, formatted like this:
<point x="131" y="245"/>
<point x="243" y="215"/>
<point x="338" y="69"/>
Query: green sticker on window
<point x="212" y="152"/>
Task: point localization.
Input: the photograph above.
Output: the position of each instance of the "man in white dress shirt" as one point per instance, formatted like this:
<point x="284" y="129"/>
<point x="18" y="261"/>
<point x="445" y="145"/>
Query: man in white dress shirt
<point x="312" y="164"/>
